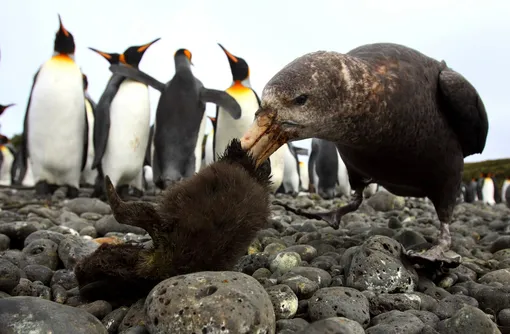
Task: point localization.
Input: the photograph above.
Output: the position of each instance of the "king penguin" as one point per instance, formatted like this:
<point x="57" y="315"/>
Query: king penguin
<point x="303" y="173"/>
<point x="504" y="188"/>
<point x="488" y="190"/>
<point x="122" y="126"/>
<point x="209" y="144"/>
<point x="290" y="183"/>
<point x="228" y="128"/>
<point x="179" y="119"/>
<point x="88" y="175"/>
<point x="55" y="124"/>
<point x="7" y="153"/>
<point x="327" y="171"/>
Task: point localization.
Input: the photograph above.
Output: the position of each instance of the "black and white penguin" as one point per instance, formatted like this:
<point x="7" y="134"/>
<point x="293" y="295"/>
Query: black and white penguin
<point x="497" y="195"/>
<point x="122" y="125"/>
<point x="369" y="102"/>
<point x="488" y="188"/>
<point x="179" y="117"/>
<point x="209" y="144"/>
<point x="370" y="190"/>
<point x="327" y="172"/>
<point x="55" y="126"/>
<point x="471" y="195"/>
<point x="303" y="175"/>
<point x="504" y="189"/>
<point x="479" y="184"/>
<point x="291" y="180"/>
<point x="228" y="128"/>
<point x="7" y="154"/>
<point x="88" y="175"/>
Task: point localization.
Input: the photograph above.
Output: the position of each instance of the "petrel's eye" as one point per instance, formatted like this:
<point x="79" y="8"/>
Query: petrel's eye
<point x="301" y="99"/>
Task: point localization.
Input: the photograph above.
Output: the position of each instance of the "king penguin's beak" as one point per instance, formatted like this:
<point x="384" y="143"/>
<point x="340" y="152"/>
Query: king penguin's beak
<point x="229" y="55"/>
<point x="107" y="56"/>
<point x="62" y="29"/>
<point x="264" y="137"/>
<point x="143" y="48"/>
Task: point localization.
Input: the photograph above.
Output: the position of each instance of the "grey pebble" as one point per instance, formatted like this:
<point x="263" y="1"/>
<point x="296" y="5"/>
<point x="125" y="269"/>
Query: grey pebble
<point x="9" y="276"/>
<point x="37" y="272"/>
<point x="98" y="308"/>
<point x="113" y="319"/>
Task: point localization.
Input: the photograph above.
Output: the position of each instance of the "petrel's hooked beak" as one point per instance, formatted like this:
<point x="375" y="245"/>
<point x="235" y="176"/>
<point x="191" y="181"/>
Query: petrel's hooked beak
<point x="264" y="136"/>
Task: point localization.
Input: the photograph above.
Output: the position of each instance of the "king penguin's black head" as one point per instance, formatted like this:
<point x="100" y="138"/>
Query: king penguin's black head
<point x="133" y="55"/>
<point x="183" y="52"/>
<point x="238" y="66"/>
<point x="64" y="40"/>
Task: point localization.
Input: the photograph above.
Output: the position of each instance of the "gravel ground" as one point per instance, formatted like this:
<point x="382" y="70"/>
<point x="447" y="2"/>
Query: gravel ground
<point x="298" y="276"/>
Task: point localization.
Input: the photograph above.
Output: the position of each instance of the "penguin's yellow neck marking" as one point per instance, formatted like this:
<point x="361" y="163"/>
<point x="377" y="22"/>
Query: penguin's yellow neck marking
<point x="3" y="148"/>
<point x="238" y="88"/>
<point x="62" y="57"/>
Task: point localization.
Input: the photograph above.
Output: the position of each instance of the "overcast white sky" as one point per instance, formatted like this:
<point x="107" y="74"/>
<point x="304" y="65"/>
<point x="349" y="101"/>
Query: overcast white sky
<point x="471" y="36"/>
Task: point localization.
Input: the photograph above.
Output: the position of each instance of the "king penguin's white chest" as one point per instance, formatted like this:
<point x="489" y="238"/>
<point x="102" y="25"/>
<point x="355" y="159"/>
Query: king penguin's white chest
<point x="227" y="127"/>
<point x="488" y="191"/>
<point x="290" y="171"/>
<point x="56" y="120"/>
<point x="129" y="130"/>
<point x="5" y="168"/>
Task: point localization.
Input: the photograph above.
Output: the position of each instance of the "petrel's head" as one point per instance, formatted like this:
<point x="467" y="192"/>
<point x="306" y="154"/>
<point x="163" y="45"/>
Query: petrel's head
<point x="301" y="101"/>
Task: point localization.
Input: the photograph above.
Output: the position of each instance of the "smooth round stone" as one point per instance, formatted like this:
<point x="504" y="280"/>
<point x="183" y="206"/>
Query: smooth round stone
<point x="284" y="261"/>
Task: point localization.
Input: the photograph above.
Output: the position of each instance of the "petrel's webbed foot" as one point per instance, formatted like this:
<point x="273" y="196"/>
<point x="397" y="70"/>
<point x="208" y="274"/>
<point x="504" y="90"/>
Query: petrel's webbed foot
<point x="438" y="256"/>
<point x="139" y="213"/>
<point x="333" y="217"/>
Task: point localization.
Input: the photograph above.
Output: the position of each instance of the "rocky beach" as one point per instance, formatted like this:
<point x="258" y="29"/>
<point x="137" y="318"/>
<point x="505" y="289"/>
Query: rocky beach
<point x="298" y="275"/>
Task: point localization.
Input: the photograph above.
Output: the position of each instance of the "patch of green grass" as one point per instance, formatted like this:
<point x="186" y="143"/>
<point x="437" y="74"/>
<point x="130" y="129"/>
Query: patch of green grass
<point x="500" y="168"/>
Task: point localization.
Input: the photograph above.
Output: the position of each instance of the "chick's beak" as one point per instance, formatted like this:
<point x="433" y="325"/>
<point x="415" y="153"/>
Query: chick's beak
<point x="264" y="137"/>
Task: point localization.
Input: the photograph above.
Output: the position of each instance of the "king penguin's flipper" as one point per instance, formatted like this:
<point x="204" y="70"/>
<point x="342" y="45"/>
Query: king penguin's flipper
<point x="465" y="111"/>
<point x="92" y="103"/>
<point x="85" y="140"/>
<point x="24" y="154"/>
<point x="220" y="98"/>
<point x="136" y="74"/>
<point x="148" y="158"/>
<point x="102" y="118"/>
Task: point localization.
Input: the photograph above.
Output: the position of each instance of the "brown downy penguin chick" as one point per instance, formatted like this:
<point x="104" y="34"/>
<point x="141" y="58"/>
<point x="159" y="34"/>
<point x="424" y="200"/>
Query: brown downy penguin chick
<point x="398" y="118"/>
<point x="202" y="223"/>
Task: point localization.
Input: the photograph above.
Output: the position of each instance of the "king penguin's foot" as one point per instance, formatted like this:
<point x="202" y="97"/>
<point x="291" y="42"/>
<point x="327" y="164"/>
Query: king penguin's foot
<point x="438" y="255"/>
<point x="42" y="189"/>
<point x="135" y="192"/>
<point x="72" y="192"/>
<point x="123" y="191"/>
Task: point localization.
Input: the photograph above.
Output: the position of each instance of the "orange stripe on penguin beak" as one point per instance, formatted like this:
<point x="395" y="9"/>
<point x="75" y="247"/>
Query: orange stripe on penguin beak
<point x="145" y="46"/>
<point x="66" y="33"/>
<point x="231" y="56"/>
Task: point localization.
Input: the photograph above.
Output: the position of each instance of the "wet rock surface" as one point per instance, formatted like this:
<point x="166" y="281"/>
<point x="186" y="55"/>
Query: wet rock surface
<point x="298" y="276"/>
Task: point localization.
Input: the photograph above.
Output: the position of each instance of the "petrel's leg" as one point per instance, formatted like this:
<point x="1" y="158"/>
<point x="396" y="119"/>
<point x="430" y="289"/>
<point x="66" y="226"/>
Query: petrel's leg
<point x="439" y="254"/>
